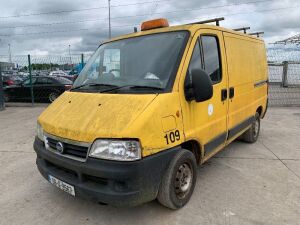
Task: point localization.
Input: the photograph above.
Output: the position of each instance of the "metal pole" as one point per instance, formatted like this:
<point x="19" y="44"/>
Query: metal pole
<point x="9" y="53"/>
<point x="109" y="25"/>
<point x="70" y="54"/>
<point x="82" y="61"/>
<point x="285" y="73"/>
<point x="30" y="79"/>
<point x="2" y="105"/>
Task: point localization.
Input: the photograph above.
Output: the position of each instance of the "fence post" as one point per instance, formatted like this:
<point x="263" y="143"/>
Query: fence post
<point x="82" y="61"/>
<point x="30" y="80"/>
<point x="2" y="105"/>
<point x="285" y="73"/>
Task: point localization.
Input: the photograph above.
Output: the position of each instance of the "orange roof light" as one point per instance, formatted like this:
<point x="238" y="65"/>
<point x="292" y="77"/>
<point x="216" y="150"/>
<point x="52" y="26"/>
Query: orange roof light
<point x="152" y="24"/>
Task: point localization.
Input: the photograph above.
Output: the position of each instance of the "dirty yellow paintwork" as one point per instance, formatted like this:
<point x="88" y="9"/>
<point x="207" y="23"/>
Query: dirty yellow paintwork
<point x="252" y="69"/>
<point x="85" y="117"/>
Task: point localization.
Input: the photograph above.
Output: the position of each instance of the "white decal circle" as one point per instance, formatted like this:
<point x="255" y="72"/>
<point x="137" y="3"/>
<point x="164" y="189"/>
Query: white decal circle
<point x="210" y="109"/>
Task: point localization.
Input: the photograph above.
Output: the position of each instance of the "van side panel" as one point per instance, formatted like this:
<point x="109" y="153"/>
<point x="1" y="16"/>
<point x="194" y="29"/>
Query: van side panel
<point x="247" y="72"/>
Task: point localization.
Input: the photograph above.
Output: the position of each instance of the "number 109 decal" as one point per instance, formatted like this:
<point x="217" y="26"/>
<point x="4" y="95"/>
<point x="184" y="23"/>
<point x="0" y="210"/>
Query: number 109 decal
<point x="172" y="137"/>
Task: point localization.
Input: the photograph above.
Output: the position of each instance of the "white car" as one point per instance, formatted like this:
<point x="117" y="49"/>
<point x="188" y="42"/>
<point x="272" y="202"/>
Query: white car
<point x="60" y="73"/>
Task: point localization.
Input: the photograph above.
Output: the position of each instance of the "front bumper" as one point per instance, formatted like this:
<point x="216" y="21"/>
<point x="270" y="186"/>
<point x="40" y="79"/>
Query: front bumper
<point x="110" y="182"/>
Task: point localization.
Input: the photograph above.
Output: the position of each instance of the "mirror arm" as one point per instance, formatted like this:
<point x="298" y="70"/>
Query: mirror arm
<point x="189" y="92"/>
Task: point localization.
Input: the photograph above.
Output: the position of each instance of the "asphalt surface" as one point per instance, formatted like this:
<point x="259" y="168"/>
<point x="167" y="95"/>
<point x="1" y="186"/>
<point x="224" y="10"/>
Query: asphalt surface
<point x="244" y="184"/>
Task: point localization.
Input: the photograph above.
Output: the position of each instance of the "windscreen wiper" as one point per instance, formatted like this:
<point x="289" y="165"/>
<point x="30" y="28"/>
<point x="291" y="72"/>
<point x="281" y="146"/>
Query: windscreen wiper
<point x="92" y="85"/>
<point x="133" y="87"/>
<point x="145" y="87"/>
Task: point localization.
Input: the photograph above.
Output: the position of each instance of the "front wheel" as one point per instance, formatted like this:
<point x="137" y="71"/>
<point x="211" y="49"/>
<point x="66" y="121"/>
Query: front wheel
<point x="251" y="135"/>
<point x="52" y="96"/>
<point x="179" y="180"/>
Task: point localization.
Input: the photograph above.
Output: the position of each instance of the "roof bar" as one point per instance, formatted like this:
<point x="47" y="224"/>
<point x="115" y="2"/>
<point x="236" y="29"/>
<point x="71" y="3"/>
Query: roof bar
<point x="242" y="29"/>
<point x="257" y="33"/>
<point x="217" y="20"/>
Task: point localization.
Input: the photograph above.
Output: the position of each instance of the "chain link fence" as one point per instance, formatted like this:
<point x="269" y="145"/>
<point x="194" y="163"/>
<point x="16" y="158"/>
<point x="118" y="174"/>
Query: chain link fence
<point x="284" y="76"/>
<point x="30" y="78"/>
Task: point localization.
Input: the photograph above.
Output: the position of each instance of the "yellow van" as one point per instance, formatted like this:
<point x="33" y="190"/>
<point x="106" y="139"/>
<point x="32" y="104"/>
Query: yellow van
<point x="148" y="108"/>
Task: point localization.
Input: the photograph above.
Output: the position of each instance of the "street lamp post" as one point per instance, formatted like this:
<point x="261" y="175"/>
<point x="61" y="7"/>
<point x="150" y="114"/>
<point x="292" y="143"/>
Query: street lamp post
<point x="9" y="54"/>
<point x="109" y="25"/>
<point x="70" y="54"/>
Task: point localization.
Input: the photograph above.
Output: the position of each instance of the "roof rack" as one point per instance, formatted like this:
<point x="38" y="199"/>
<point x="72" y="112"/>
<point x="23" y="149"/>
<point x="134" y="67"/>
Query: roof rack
<point x="291" y="40"/>
<point x="242" y="29"/>
<point x="216" y="20"/>
<point x="257" y="33"/>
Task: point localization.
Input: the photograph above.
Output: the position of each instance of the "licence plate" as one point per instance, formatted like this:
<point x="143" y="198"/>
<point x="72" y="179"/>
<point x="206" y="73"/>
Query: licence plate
<point x="62" y="185"/>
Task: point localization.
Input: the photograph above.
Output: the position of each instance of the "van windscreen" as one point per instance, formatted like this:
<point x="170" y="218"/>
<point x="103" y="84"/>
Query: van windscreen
<point x="145" y="61"/>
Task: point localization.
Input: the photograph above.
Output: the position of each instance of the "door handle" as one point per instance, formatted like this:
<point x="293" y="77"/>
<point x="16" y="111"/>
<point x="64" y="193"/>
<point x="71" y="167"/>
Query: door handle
<point x="231" y="92"/>
<point x="223" y="94"/>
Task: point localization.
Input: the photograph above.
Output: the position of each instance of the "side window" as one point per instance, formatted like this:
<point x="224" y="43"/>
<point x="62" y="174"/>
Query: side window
<point x="211" y="58"/>
<point x="195" y="62"/>
<point x="27" y="82"/>
<point x="50" y="81"/>
<point x="42" y="80"/>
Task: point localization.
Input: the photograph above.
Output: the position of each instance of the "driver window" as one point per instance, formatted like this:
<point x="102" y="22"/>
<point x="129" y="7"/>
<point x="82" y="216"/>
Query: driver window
<point x="111" y="62"/>
<point x="195" y="63"/>
<point x="27" y="82"/>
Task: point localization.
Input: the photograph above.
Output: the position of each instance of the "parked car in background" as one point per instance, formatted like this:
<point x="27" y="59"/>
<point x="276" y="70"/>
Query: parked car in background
<point x="60" y="73"/>
<point x="73" y="72"/>
<point x="23" y="74"/>
<point x="57" y="73"/>
<point x="45" y="89"/>
<point x="8" y="80"/>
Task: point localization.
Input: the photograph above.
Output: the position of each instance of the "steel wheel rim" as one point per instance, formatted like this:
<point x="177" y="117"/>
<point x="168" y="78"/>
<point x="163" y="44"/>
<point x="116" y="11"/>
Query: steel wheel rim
<point x="52" y="97"/>
<point x="183" y="180"/>
<point x="256" y="128"/>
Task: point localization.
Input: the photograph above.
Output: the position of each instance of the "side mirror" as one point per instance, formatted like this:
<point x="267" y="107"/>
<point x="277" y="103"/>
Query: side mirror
<point x="200" y="88"/>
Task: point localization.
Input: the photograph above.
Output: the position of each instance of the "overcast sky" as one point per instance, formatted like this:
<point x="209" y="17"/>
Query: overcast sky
<point x="83" y="24"/>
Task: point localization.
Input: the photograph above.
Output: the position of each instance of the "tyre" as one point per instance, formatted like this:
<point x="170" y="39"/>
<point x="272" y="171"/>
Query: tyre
<point x="52" y="96"/>
<point x="251" y="135"/>
<point x="179" y="180"/>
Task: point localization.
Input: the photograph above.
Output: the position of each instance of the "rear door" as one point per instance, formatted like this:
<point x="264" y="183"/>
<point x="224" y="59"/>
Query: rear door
<point x="242" y="67"/>
<point x="208" y="120"/>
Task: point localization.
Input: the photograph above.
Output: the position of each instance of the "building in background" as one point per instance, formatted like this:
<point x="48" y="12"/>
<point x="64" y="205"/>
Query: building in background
<point x="7" y="66"/>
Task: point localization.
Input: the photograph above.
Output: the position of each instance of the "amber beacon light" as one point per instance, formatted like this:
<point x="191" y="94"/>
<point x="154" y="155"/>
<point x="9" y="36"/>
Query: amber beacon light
<point x="152" y="24"/>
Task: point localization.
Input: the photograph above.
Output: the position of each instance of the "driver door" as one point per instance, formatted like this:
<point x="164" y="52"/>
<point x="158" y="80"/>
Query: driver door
<point x="207" y="121"/>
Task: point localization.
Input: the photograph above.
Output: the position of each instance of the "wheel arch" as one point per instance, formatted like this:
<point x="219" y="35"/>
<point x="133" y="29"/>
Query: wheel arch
<point x="259" y="110"/>
<point x="195" y="147"/>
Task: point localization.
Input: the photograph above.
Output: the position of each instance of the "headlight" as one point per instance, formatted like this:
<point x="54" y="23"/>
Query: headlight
<point x="39" y="132"/>
<point x="120" y="150"/>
